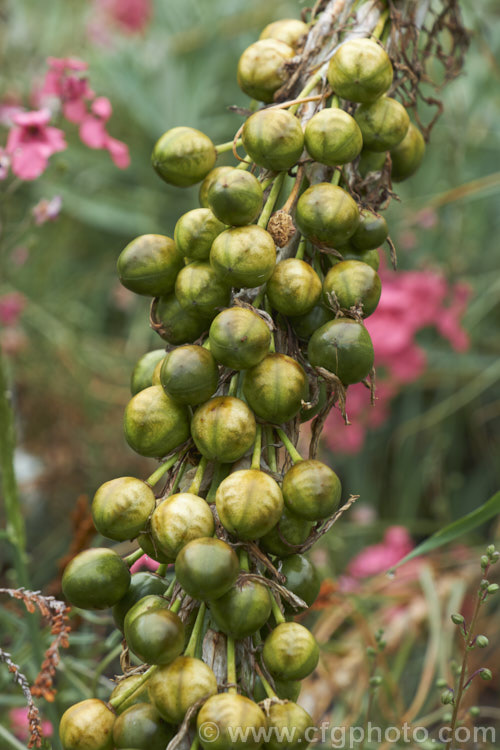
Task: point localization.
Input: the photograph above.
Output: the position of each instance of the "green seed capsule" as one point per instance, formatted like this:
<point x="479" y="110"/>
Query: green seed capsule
<point x="289" y="721"/>
<point x="371" y="161"/>
<point x="360" y="71"/>
<point x="326" y="214"/>
<point x="407" y="156"/>
<point x="142" y="584"/>
<point x="200" y="291"/>
<point x="141" y="727"/>
<point x="243" y="256"/>
<point x="121" y="508"/>
<point x="178" y="325"/>
<point x="305" y="325"/>
<point x="370" y="257"/>
<point x="344" y="347"/>
<point x="96" y="578"/>
<point x="302" y="578"/>
<point x="235" y="197"/>
<point x="206" y="568"/>
<point x="371" y="233"/>
<point x="290" y="652"/>
<point x="383" y="124"/>
<point x="207" y="183"/>
<point x="176" y="687"/>
<point x="155" y="424"/>
<point x="195" y="231"/>
<point x="183" y="156"/>
<point x="333" y="137"/>
<point x="239" y="338"/>
<point x="274" y="388"/>
<point x="288" y="30"/>
<point x="311" y="490"/>
<point x="149" y="265"/>
<point x="219" y="717"/>
<point x="154" y="633"/>
<point x="294" y="288"/>
<point x="178" y="519"/>
<point x="285" y="690"/>
<point x="87" y="725"/>
<point x="243" y="610"/>
<point x="142" y="374"/>
<point x="293" y="530"/>
<point x="223" y="429"/>
<point x="261" y="68"/>
<point x="249" y="503"/>
<point x="189" y="375"/>
<point x="352" y="283"/>
<point x="273" y="139"/>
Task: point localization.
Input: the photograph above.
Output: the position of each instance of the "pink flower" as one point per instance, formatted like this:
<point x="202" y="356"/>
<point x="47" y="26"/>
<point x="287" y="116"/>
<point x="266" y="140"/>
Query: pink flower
<point x="47" y="210"/>
<point x="144" y="562"/>
<point x="31" y="142"/>
<point x="7" y="113"/>
<point x="73" y="90"/>
<point x="11" y="307"/>
<point x="132" y="16"/>
<point x="19" y="723"/>
<point x="378" y="558"/>
<point x="93" y="132"/>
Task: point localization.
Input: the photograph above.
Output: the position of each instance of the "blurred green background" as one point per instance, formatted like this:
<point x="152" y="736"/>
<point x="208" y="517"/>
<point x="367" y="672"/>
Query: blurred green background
<point x="434" y="459"/>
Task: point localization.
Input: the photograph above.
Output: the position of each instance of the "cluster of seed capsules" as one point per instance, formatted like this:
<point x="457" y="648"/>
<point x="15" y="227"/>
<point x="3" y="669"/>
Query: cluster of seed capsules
<point x="223" y="396"/>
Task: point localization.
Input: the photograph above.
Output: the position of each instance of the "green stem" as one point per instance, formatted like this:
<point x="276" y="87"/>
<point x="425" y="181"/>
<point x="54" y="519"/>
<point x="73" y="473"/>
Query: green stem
<point x="223" y="148"/>
<point x="133" y="557"/>
<point x="195" y="743"/>
<point x="101" y="668"/>
<point x="233" y="385"/>
<point x="336" y="176"/>
<point x="310" y="85"/>
<point x="220" y="472"/>
<point x="245" y="163"/>
<point x="292" y="450"/>
<point x="257" y="448"/>
<point x="278" y="614"/>
<point x="198" y="477"/>
<point x="335" y="102"/>
<point x="267" y="687"/>
<point x="179" y="476"/>
<point x="379" y="28"/>
<point x="168" y="592"/>
<point x="271" y="450"/>
<point x="301" y="250"/>
<point x="119" y="700"/>
<point x="161" y="470"/>
<point x="176" y="605"/>
<point x="162" y="569"/>
<point x="231" y="665"/>
<point x="192" y="646"/>
<point x="244" y="562"/>
<point x="271" y="200"/>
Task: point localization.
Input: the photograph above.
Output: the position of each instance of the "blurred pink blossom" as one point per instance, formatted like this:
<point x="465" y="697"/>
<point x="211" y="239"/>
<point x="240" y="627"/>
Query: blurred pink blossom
<point x="62" y="81"/>
<point x="144" y="562"/>
<point x="410" y="301"/>
<point x="131" y="16"/>
<point x="19" y="723"/>
<point x="93" y="132"/>
<point x="46" y="210"/>
<point x="7" y="113"/>
<point x="378" y="558"/>
<point x="11" y="307"/>
<point x="31" y="142"/>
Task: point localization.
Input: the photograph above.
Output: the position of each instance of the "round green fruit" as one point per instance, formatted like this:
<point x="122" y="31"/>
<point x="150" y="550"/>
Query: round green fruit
<point x="141" y="696"/>
<point x="200" y="291"/>
<point x="273" y="139"/>
<point x="370" y="257"/>
<point x="326" y="214"/>
<point x="371" y="233"/>
<point x="302" y="578"/>
<point x="243" y="610"/>
<point x="178" y="520"/>
<point x="149" y="265"/>
<point x="288" y="720"/>
<point x="189" y="375"/>
<point x="244" y="256"/>
<point x="288" y="30"/>
<point x="195" y="231"/>
<point x="154" y="633"/>
<point x="285" y="690"/>
<point x="333" y="137"/>
<point x="290" y="652"/>
<point x="352" y="283"/>
<point x="360" y="71"/>
<point x="183" y="156"/>
<point x="235" y="197"/>
<point x="154" y="423"/>
<point x="407" y="156"/>
<point x="177" y="325"/>
<point x="311" y="490"/>
<point x="155" y="380"/>
<point x="223" y="716"/>
<point x="121" y="508"/>
<point x="96" y="578"/>
<point x="223" y="429"/>
<point x="142" y="728"/>
<point x="290" y="532"/>
<point x="383" y="124"/>
<point x="371" y="161"/>
<point x="142" y="374"/>
<point x="249" y="503"/>
<point x="344" y="347"/>
<point x="207" y="182"/>
<point x="305" y="325"/>
<point x="262" y="68"/>
<point x="274" y="389"/>
<point x="294" y="288"/>
<point x="142" y="584"/>
<point x="176" y="687"/>
<point x="206" y="568"/>
<point x="239" y="338"/>
<point x="88" y="725"/>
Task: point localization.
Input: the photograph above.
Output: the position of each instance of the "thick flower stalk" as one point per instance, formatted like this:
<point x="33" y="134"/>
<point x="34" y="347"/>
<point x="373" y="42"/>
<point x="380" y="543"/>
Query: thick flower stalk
<point x="261" y="297"/>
